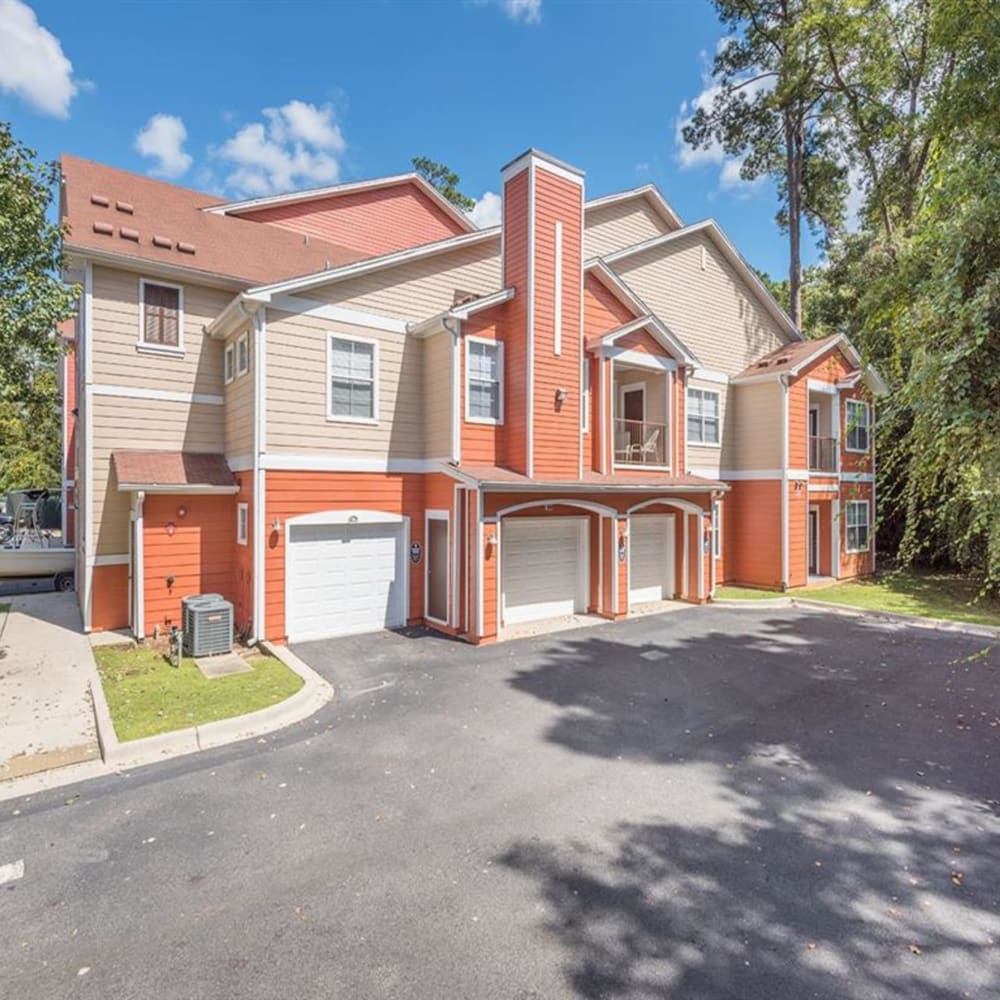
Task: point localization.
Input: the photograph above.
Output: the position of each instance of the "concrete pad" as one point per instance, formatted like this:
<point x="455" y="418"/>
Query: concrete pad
<point x="46" y="668"/>
<point x="526" y="630"/>
<point x="120" y="637"/>
<point x="222" y="665"/>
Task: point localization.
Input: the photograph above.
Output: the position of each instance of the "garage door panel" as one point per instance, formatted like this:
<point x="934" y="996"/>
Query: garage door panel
<point x="344" y="579"/>
<point x="651" y="558"/>
<point x="543" y="562"/>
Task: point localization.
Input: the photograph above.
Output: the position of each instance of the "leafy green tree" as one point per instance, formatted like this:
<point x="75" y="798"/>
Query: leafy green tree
<point x="33" y="300"/>
<point x="445" y="180"/>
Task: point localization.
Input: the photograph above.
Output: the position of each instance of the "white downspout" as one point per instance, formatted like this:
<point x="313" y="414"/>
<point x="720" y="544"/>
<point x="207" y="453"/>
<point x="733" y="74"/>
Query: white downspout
<point x="259" y="483"/>
<point x="784" y="481"/>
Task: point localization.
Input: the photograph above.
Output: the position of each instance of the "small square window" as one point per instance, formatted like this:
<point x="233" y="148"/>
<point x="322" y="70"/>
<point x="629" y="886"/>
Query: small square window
<point x="242" y="523"/>
<point x="242" y="354"/>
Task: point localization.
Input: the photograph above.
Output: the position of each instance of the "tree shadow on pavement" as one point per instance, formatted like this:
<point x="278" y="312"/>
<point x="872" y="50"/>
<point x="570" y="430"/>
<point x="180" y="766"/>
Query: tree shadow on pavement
<point x="829" y="823"/>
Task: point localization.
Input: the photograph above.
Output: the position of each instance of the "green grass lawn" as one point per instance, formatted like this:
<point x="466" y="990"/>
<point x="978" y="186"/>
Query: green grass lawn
<point x="4" y="608"/>
<point x="931" y="595"/>
<point x="146" y="695"/>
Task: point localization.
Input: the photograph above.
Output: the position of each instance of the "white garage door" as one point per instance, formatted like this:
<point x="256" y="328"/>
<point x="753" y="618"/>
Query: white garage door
<point x="344" y="579"/>
<point x="544" y="567"/>
<point x="651" y="558"/>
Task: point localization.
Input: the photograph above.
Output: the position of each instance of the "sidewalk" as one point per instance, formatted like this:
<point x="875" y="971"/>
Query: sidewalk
<point x="46" y="668"/>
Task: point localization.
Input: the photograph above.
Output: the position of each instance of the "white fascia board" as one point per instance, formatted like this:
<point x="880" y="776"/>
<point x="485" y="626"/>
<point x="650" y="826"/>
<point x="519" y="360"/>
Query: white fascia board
<point x="312" y="194"/>
<point x="187" y="488"/>
<point x="735" y="258"/>
<point x="436" y="323"/>
<point x="312" y="307"/>
<point x="78" y="255"/>
<point x="650" y="192"/>
<point x="638" y="358"/>
<point x="320" y="462"/>
<point x="816" y="385"/>
<point x="238" y="311"/>
<point x="367" y="266"/>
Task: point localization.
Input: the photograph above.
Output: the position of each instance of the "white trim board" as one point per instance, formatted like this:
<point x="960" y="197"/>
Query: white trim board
<point x="324" y="462"/>
<point x="300" y="306"/>
<point x="162" y="395"/>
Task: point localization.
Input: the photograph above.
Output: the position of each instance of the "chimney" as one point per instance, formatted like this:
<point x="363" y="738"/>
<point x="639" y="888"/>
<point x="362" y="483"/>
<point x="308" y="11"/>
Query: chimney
<point x="542" y="251"/>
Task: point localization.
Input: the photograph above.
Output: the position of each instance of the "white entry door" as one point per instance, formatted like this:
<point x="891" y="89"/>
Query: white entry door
<point x="344" y="579"/>
<point x="544" y="567"/>
<point x="651" y="558"/>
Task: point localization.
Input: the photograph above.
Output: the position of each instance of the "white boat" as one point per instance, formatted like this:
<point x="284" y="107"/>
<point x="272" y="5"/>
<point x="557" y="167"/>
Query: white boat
<point x="27" y="560"/>
<point x="29" y="549"/>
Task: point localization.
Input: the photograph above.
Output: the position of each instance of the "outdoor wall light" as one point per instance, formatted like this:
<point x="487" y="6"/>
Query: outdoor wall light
<point x="276" y="525"/>
<point x="491" y="540"/>
<point x="170" y="529"/>
<point x="182" y="512"/>
<point x="561" y="395"/>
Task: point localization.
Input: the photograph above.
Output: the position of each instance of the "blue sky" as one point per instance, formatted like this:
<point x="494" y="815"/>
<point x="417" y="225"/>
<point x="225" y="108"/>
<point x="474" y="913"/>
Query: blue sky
<point x="246" y="99"/>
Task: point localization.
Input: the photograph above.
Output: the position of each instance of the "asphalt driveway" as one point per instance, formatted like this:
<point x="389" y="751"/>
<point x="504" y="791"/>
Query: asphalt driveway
<point x="713" y="803"/>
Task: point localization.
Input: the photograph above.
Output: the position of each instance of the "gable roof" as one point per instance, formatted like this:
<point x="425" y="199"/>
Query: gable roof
<point x="621" y="291"/>
<point x="121" y="215"/>
<point x="712" y="229"/>
<point x="649" y="193"/>
<point x="351" y="187"/>
<point x="793" y="359"/>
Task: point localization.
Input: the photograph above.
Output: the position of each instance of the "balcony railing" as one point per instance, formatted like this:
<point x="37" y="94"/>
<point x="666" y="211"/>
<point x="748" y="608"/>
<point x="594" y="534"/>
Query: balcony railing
<point x="640" y="442"/>
<point x="823" y="454"/>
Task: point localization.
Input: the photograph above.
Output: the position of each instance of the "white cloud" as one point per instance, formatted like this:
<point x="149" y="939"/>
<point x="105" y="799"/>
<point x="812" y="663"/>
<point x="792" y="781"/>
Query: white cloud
<point x="488" y="211"/>
<point x="162" y="138"/>
<point x="730" y="179"/>
<point x="855" y="201"/>
<point x="32" y="63"/>
<point x="528" y="11"/>
<point x="297" y="145"/>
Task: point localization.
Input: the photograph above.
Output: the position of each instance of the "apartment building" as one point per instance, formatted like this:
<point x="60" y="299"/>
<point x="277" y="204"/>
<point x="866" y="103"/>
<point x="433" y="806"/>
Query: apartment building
<point x="348" y="409"/>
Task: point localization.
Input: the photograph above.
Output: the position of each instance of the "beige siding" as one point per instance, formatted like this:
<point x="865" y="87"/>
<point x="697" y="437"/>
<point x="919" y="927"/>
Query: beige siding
<point x="421" y="289"/>
<point x="712" y="310"/>
<point x="297" y="392"/>
<point x="128" y="424"/>
<point x="116" y="361"/>
<point x="239" y="409"/>
<point x="438" y="360"/>
<point x="756" y="438"/>
<point x="619" y="225"/>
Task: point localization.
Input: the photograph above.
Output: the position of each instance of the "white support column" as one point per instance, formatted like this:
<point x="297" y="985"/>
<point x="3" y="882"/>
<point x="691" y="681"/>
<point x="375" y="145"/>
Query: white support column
<point x="139" y="570"/>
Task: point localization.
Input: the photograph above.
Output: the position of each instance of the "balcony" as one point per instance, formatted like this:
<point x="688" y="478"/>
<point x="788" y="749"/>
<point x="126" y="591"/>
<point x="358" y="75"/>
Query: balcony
<point x="640" y="442"/>
<point x="822" y="454"/>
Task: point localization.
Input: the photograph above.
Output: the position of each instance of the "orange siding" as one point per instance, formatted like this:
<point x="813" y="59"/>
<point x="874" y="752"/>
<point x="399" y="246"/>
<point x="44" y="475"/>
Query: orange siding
<point x="290" y="494"/>
<point x="678" y="393"/>
<point x="490" y="595"/>
<point x="798" y="425"/>
<point x="860" y="563"/>
<point x="621" y="566"/>
<point x="556" y="431"/>
<point x="515" y="272"/>
<point x="602" y="311"/>
<point x="752" y="533"/>
<point x="110" y="598"/>
<point x="373" y="222"/>
<point x="798" y="534"/>
<point x="853" y="461"/>
<point x="199" y="555"/>
<point x="642" y="342"/>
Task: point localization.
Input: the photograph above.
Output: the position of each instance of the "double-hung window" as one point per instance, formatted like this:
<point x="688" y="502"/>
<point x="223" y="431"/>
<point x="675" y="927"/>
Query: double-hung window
<point x="702" y="416"/>
<point x="352" y="369"/>
<point x="484" y="381"/>
<point x="858" y="526"/>
<point x="230" y="363"/>
<point x="857" y="418"/>
<point x="242" y="523"/>
<point x="160" y="317"/>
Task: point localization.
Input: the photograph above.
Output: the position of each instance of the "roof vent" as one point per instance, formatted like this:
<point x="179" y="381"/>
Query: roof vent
<point x="104" y="228"/>
<point x="126" y="207"/>
<point x="185" y="247"/>
<point x="129" y="234"/>
<point x="100" y="199"/>
<point x="163" y="241"/>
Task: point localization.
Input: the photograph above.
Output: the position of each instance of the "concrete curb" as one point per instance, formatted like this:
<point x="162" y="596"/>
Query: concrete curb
<point x="897" y="618"/>
<point x="853" y="611"/>
<point x="313" y="695"/>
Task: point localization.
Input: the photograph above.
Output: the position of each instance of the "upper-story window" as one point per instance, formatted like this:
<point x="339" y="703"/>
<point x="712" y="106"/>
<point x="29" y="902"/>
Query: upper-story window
<point x="242" y="354"/>
<point x="229" y="363"/>
<point x="483" y="381"/>
<point x="703" y="416"/>
<point x="161" y="317"/>
<point x="352" y="367"/>
<point x="858" y="432"/>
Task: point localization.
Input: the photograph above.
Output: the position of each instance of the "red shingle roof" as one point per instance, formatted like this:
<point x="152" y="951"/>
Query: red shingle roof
<point x="170" y="468"/>
<point x="787" y="357"/>
<point x="638" y="480"/>
<point x="119" y="212"/>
